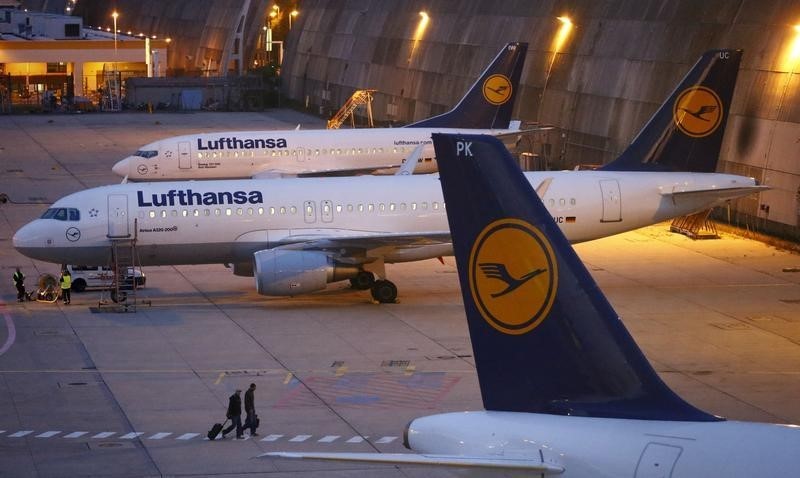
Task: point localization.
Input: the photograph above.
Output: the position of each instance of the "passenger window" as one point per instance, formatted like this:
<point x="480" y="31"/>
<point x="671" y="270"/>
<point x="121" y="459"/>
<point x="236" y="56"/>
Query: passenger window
<point x="370" y="207"/>
<point x="152" y="214"/>
<point x="228" y="211"/>
<point x="435" y="206"/>
<point x="402" y="206"/>
<point x="216" y="212"/>
<point x="293" y="210"/>
<point x="424" y="205"/>
<point x="174" y="213"/>
<point x="206" y="212"/>
<point x="339" y="208"/>
<point x="349" y="208"/>
<point x="249" y="211"/>
<point x="391" y="206"/>
<point x="572" y="202"/>
<point x="184" y="212"/>
<point x="562" y="201"/>
<point x="196" y="212"/>
<point x="360" y="208"/>
<point x="164" y="213"/>
<point x="261" y="211"/>
<point x="382" y="207"/>
<point x="271" y="211"/>
<point x="283" y="210"/>
<point x="239" y="211"/>
<point x="551" y="202"/>
<point x="413" y="206"/>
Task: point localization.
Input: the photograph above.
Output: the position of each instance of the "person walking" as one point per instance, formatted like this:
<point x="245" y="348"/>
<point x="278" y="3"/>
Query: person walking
<point x="66" y="285"/>
<point x="235" y="415"/>
<point x="19" y="283"/>
<point x="251" y="419"/>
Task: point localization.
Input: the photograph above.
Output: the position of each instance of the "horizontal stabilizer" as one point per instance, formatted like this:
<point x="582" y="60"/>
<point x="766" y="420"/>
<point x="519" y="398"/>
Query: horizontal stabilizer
<point x="714" y="194"/>
<point x="413" y="459"/>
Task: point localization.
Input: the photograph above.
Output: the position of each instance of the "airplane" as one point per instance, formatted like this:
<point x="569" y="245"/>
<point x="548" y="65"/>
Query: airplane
<point x="297" y="235"/>
<point x="588" y="403"/>
<point x="485" y="108"/>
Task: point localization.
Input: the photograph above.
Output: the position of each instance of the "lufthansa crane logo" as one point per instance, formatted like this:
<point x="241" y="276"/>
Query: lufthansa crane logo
<point x="698" y="111"/>
<point x="513" y="276"/>
<point x="497" y="89"/>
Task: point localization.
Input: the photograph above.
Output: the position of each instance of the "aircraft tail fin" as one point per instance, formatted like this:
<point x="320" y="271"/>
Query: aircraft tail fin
<point x="685" y="134"/>
<point x="545" y="338"/>
<point x="489" y="102"/>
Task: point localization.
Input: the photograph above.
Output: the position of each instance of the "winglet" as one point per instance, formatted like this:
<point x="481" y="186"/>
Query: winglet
<point x="685" y="134"/>
<point x="545" y="338"/>
<point x="489" y="102"/>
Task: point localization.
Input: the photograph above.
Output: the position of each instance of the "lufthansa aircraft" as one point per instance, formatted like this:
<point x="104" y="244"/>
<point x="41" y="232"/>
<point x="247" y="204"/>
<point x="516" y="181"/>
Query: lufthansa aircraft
<point x="566" y="390"/>
<point x="486" y="108"/>
<point x="297" y="235"/>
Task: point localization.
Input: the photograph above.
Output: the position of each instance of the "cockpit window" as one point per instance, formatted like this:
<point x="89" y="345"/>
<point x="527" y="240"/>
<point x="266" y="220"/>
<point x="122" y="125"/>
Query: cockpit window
<point x="62" y="214"/>
<point x="146" y="154"/>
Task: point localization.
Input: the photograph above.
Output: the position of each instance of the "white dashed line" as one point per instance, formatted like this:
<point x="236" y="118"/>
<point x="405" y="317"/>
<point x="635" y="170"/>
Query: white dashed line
<point x="300" y="438"/>
<point x="386" y="440"/>
<point x="328" y="439"/>
<point x="21" y="433"/>
<point x="104" y="434"/>
<point x="187" y="436"/>
<point x="272" y="438"/>
<point x="48" y="434"/>
<point x="131" y="435"/>
<point x="159" y="436"/>
<point x="75" y="434"/>
<point x="356" y="440"/>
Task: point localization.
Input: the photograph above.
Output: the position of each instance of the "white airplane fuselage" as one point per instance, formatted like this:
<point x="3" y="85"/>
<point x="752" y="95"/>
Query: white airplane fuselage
<point x="208" y="222"/>
<point x="612" y="448"/>
<point x="247" y="154"/>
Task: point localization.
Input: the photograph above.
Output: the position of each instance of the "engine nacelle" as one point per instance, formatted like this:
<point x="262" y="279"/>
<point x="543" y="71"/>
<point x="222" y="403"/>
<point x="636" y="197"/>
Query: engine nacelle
<point x="281" y="272"/>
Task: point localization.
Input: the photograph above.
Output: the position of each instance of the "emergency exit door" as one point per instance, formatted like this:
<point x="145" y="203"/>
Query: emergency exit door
<point x="118" y="216"/>
<point x="612" y="202"/>
<point x="184" y="155"/>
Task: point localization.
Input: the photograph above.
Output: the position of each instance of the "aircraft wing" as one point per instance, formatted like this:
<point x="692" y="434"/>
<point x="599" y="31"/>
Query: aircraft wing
<point x="415" y="459"/>
<point x="347" y="245"/>
<point x="711" y="194"/>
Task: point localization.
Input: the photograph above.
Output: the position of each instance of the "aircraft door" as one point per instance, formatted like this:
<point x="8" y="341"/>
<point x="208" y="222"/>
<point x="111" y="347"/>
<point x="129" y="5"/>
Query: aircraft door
<point x="327" y="211"/>
<point x="309" y="212"/>
<point x="118" y="215"/>
<point x="612" y="201"/>
<point x="657" y="461"/>
<point x="184" y="155"/>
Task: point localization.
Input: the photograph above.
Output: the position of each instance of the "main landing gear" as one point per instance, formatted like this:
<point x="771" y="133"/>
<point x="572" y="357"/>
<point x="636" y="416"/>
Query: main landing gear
<point x="382" y="290"/>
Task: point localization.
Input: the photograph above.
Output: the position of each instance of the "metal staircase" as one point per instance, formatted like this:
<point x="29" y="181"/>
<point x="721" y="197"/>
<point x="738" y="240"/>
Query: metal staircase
<point x="124" y="283"/>
<point x="111" y="97"/>
<point x="695" y="226"/>
<point x="359" y="98"/>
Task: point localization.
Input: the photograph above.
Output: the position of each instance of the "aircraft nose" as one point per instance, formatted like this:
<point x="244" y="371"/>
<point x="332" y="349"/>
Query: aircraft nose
<point x="122" y="168"/>
<point x="33" y="240"/>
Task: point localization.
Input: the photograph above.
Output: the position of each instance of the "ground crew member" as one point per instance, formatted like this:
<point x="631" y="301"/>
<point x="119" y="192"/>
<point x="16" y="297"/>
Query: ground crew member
<point x="66" y="284"/>
<point x="19" y="283"/>
<point x="251" y="419"/>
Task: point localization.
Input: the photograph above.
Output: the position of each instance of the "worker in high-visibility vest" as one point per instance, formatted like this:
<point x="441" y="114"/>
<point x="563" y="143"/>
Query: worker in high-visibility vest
<point x="19" y="283"/>
<point x="66" y="284"/>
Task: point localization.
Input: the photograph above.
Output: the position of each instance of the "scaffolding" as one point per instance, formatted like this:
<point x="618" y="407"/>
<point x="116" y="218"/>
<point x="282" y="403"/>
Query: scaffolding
<point x="122" y="297"/>
<point x="695" y="226"/>
<point x="359" y="98"/>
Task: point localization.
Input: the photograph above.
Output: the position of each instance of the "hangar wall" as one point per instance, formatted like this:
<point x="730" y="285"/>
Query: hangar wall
<point x="201" y="30"/>
<point x="619" y="63"/>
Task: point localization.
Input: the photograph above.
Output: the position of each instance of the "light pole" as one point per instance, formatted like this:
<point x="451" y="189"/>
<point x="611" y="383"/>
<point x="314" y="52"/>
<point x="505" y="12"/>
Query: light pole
<point x="294" y="13"/>
<point x="114" y="16"/>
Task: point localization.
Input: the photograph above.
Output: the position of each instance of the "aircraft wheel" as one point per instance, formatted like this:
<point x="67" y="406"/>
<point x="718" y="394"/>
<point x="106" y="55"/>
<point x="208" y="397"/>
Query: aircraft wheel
<point x="363" y="281"/>
<point x="122" y="297"/>
<point x="384" y="291"/>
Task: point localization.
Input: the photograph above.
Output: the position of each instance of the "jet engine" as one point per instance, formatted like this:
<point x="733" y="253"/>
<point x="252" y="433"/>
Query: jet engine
<point x="282" y="272"/>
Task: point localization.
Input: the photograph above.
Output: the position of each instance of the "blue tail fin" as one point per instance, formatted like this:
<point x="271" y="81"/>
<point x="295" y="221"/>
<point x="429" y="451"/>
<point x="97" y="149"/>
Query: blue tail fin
<point x="686" y="132"/>
<point x="544" y="336"/>
<point x="489" y="102"/>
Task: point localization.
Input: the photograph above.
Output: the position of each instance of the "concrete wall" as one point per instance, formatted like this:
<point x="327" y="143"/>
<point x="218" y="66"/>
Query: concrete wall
<point x="621" y="61"/>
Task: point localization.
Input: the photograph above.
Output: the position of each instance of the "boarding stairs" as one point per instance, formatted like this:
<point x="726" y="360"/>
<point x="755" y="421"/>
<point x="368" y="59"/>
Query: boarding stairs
<point x="122" y="297"/>
<point x="695" y="226"/>
<point x="112" y="93"/>
<point x="359" y="98"/>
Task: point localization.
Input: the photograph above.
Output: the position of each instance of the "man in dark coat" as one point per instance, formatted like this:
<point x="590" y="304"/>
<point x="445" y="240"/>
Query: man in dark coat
<point x="250" y="410"/>
<point x="235" y="415"/>
<point x="19" y="283"/>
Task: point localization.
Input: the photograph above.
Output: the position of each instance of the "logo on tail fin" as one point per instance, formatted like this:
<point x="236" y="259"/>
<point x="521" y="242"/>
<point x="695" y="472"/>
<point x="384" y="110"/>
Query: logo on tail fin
<point x="697" y="111"/>
<point x="513" y="275"/>
<point x="497" y="89"/>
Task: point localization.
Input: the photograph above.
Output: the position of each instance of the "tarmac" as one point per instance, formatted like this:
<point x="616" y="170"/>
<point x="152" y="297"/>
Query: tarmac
<point x="87" y="393"/>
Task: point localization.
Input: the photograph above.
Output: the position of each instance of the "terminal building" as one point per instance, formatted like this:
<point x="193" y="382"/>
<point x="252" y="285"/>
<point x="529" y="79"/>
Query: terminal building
<point x="46" y="55"/>
<point x="595" y="70"/>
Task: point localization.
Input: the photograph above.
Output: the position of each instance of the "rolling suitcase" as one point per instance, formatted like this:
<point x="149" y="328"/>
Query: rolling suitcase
<point x="212" y="434"/>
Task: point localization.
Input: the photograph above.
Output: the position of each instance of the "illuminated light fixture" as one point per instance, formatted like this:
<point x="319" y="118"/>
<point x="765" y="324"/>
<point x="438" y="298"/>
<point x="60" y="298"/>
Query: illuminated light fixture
<point x="292" y="14"/>
<point x="424" y="20"/>
<point x="791" y="53"/>
<point x="169" y="40"/>
<point x="558" y="43"/>
<point x="129" y="32"/>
